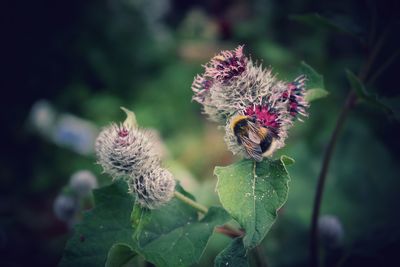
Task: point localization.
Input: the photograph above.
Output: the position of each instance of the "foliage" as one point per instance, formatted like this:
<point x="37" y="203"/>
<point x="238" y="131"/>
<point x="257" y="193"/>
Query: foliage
<point x="233" y="255"/>
<point x="315" y="83"/>
<point x="252" y="193"/>
<point x="171" y="236"/>
<point x="108" y="54"/>
<point x="364" y="95"/>
<point x="101" y="228"/>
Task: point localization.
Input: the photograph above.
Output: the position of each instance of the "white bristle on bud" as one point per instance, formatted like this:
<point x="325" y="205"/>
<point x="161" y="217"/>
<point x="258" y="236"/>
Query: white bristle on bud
<point x="122" y="151"/>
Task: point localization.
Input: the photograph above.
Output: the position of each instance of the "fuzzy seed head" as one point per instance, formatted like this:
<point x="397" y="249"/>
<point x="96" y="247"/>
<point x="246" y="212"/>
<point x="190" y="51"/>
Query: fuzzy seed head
<point x="83" y="182"/>
<point x="152" y="187"/>
<point x="122" y="151"/>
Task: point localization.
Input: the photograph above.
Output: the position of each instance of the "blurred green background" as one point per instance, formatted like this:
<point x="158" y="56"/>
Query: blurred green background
<point x="88" y="58"/>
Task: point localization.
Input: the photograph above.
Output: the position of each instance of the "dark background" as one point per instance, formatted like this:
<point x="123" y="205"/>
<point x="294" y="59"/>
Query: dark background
<point x="87" y="58"/>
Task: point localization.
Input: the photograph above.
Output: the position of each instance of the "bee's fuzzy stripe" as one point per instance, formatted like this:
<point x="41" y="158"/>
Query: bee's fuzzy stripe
<point x="235" y="120"/>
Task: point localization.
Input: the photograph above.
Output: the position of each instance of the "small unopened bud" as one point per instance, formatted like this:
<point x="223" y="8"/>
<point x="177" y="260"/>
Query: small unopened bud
<point x="82" y="182"/>
<point x="42" y="117"/>
<point x="330" y="231"/>
<point x="65" y="207"/>
<point x="122" y="151"/>
<point x="153" y="187"/>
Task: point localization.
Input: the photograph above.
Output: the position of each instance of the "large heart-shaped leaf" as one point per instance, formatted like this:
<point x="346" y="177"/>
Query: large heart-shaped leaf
<point x="252" y="192"/>
<point x="108" y="223"/>
<point x="173" y="235"/>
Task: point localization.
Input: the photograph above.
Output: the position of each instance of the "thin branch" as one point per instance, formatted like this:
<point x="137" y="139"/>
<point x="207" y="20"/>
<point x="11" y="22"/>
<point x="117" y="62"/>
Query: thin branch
<point x="191" y="202"/>
<point x="350" y="102"/>
<point x="372" y="56"/>
<point x="384" y="66"/>
<point x="260" y="257"/>
<point x="229" y="231"/>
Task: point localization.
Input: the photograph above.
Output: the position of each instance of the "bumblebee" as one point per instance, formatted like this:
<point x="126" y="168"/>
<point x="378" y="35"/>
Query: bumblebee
<point x="257" y="140"/>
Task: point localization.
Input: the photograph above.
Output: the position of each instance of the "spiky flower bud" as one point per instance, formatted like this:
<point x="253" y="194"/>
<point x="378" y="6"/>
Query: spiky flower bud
<point x="65" y="207"/>
<point x="83" y="182"/>
<point x="233" y="85"/>
<point x="153" y="187"/>
<point x="330" y="231"/>
<point x="122" y="151"/>
<point x="128" y="152"/>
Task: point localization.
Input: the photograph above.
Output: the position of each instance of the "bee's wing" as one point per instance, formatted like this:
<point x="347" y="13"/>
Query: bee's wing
<point x="253" y="133"/>
<point x="252" y="149"/>
<point x="254" y="137"/>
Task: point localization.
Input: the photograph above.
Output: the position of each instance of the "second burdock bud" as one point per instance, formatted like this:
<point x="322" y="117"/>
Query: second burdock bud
<point x="152" y="187"/>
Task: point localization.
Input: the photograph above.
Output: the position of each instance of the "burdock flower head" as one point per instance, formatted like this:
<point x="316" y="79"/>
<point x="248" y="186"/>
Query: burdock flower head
<point x="222" y="70"/>
<point x="256" y="108"/>
<point x="125" y="151"/>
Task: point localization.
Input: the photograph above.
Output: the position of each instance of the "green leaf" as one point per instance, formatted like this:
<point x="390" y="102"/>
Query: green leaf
<point x="108" y="223"/>
<point x="315" y="83"/>
<point x="170" y="236"/>
<point x="341" y="24"/>
<point x="315" y="94"/>
<point x="252" y="193"/>
<point x="119" y="255"/>
<point x="314" y="79"/>
<point x="356" y="84"/>
<point x="174" y="236"/>
<point x="130" y="121"/>
<point x="233" y="255"/>
<point x="364" y="95"/>
<point x="287" y="160"/>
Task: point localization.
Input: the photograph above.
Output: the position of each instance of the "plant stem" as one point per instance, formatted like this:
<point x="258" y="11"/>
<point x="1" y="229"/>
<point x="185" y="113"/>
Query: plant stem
<point x="229" y="231"/>
<point x="225" y="229"/>
<point x="384" y="66"/>
<point x="260" y="257"/>
<point x="191" y="202"/>
<point x="350" y="101"/>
